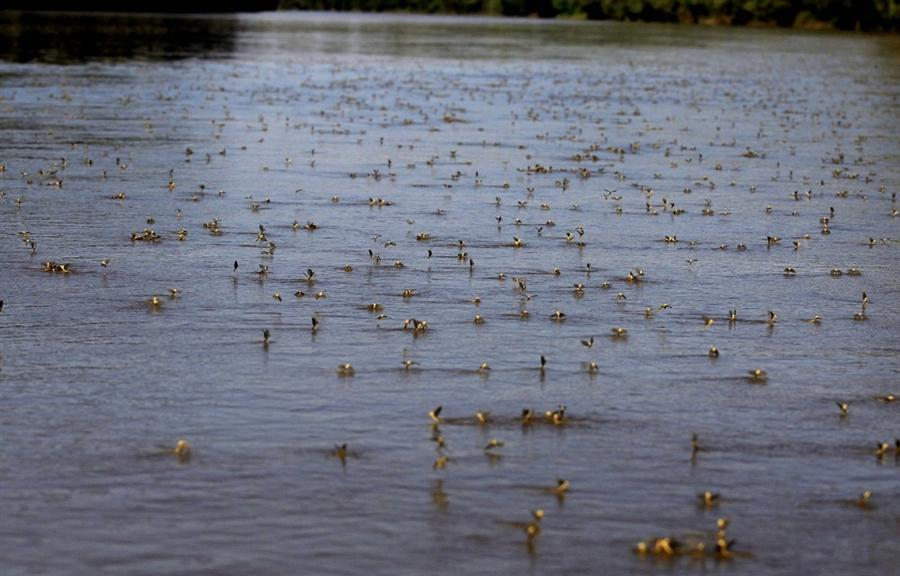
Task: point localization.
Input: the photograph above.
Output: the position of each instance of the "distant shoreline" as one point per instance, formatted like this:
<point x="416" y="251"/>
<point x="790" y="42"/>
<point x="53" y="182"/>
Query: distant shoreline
<point x="864" y="15"/>
<point x="803" y="23"/>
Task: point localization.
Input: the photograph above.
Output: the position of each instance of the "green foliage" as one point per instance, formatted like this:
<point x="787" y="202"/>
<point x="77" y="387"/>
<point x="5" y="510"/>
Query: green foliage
<point x="842" y="14"/>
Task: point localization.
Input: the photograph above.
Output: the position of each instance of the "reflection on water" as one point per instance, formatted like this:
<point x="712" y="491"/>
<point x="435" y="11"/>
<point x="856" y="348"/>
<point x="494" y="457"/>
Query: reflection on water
<point x="560" y="154"/>
<point x="70" y="38"/>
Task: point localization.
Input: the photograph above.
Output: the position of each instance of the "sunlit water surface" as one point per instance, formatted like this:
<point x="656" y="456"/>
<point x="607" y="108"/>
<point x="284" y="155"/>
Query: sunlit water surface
<point x="447" y="120"/>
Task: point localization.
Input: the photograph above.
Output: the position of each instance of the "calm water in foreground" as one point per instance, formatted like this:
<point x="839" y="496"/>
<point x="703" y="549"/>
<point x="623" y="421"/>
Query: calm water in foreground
<point x="455" y="124"/>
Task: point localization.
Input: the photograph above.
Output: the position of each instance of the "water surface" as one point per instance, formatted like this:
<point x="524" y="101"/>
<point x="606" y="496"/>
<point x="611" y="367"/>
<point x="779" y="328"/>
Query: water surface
<point x="456" y="123"/>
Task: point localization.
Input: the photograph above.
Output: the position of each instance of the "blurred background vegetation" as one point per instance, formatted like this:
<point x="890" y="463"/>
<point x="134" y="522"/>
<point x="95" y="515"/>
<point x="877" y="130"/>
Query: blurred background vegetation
<point x="841" y="14"/>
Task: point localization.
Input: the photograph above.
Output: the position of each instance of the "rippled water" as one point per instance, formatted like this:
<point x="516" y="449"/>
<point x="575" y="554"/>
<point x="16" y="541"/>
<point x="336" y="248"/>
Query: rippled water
<point x="444" y="119"/>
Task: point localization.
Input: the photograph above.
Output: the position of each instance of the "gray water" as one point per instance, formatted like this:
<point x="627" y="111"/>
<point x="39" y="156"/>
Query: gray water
<point x="441" y="117"/>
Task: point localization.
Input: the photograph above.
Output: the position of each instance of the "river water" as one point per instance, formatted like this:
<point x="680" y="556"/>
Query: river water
<point x="590" y="143"/>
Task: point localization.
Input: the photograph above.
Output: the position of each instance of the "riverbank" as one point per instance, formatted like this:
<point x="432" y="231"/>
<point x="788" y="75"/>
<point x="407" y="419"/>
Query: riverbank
<point x="866" y="15"/>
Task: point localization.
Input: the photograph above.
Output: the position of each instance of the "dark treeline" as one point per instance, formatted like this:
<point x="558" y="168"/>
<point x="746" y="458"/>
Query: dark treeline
<point x="154" y="6"/>
<point x="841" y="14"/>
